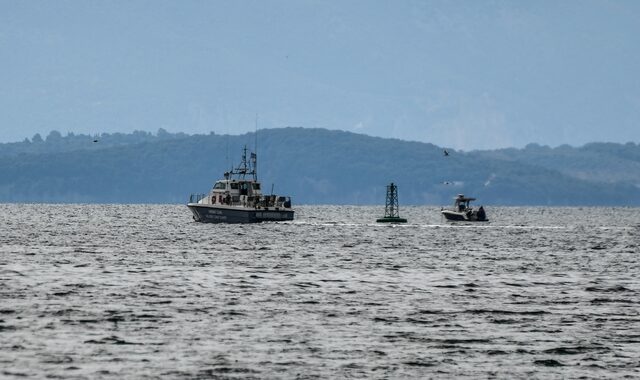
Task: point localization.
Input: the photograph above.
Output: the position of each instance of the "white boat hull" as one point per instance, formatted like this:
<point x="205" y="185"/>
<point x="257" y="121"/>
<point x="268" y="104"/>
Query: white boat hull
<point x="469" y="216"/>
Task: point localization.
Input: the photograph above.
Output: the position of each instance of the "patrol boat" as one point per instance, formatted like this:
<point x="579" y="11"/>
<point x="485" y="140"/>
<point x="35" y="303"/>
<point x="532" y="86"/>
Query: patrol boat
<point x="238" y="198"/>
<point x="462" y="210"/>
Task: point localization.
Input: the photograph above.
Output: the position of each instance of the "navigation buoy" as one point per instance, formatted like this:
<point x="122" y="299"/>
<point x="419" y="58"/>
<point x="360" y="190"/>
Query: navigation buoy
<point x="391" y="208"/>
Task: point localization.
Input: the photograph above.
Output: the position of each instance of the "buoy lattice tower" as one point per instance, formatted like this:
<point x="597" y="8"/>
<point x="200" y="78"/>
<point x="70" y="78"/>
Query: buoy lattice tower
<point x="391" y="207"/>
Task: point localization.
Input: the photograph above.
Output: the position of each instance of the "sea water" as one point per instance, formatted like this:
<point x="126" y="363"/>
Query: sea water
<point x="142" y="291"/>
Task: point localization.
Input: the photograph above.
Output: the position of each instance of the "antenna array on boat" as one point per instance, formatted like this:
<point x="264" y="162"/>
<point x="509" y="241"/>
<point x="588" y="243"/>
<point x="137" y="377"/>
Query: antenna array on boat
<point x="247" y="167"/>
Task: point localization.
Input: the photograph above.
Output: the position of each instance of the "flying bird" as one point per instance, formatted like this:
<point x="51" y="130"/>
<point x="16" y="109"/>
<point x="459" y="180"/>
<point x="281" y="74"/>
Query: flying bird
<point x="445" y="152"/>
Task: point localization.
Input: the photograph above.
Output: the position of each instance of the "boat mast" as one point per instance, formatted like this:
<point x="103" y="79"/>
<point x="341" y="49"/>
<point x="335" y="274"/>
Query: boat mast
<point x="254" y="156"/>
<point x="246" y="168"/>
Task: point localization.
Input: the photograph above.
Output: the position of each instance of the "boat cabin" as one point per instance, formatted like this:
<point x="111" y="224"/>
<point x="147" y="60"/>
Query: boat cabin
<point x="245" y="193"/>
<point x="235" y="190"/>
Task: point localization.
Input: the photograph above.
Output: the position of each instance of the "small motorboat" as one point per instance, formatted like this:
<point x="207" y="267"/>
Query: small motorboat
<point x="463" y="211"/>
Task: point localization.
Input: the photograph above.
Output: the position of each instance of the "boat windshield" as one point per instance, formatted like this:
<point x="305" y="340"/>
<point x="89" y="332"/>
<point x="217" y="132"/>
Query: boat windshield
<point x="220" y="186"/>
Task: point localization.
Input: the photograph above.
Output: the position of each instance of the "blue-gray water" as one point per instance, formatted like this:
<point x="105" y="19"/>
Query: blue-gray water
<point x="117" y="291"/>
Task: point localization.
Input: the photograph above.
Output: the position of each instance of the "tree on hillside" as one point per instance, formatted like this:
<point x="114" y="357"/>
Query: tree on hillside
<point x="54" y="137"/>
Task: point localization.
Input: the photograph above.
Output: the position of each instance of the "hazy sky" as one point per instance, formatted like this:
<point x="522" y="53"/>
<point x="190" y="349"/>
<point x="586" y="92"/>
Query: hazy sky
<point x="462" y="74"/>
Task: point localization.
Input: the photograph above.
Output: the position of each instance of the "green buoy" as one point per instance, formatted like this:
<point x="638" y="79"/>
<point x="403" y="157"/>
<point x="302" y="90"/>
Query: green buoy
<point x="391" y="209"/>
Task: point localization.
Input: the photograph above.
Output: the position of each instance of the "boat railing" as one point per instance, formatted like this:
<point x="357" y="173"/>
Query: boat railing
<point x="267" y="201"/>
<point x="195" y="198"/>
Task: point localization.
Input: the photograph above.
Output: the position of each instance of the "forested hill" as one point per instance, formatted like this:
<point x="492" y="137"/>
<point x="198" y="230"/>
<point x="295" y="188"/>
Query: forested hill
<point x="314" y="166"/>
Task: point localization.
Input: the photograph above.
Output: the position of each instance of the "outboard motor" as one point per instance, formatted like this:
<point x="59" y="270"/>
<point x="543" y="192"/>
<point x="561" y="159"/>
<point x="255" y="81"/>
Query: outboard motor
<point x="481" y="214"/>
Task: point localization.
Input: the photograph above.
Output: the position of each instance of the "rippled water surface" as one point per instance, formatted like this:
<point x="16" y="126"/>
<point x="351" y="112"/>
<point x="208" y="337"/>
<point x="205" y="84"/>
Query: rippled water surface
<point x="142" y="291"/>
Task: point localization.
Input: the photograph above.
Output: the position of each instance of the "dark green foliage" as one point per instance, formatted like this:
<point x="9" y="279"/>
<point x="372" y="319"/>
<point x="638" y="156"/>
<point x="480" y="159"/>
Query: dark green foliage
<point x="313" y="166"/>
<point x="599" y="162"/>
